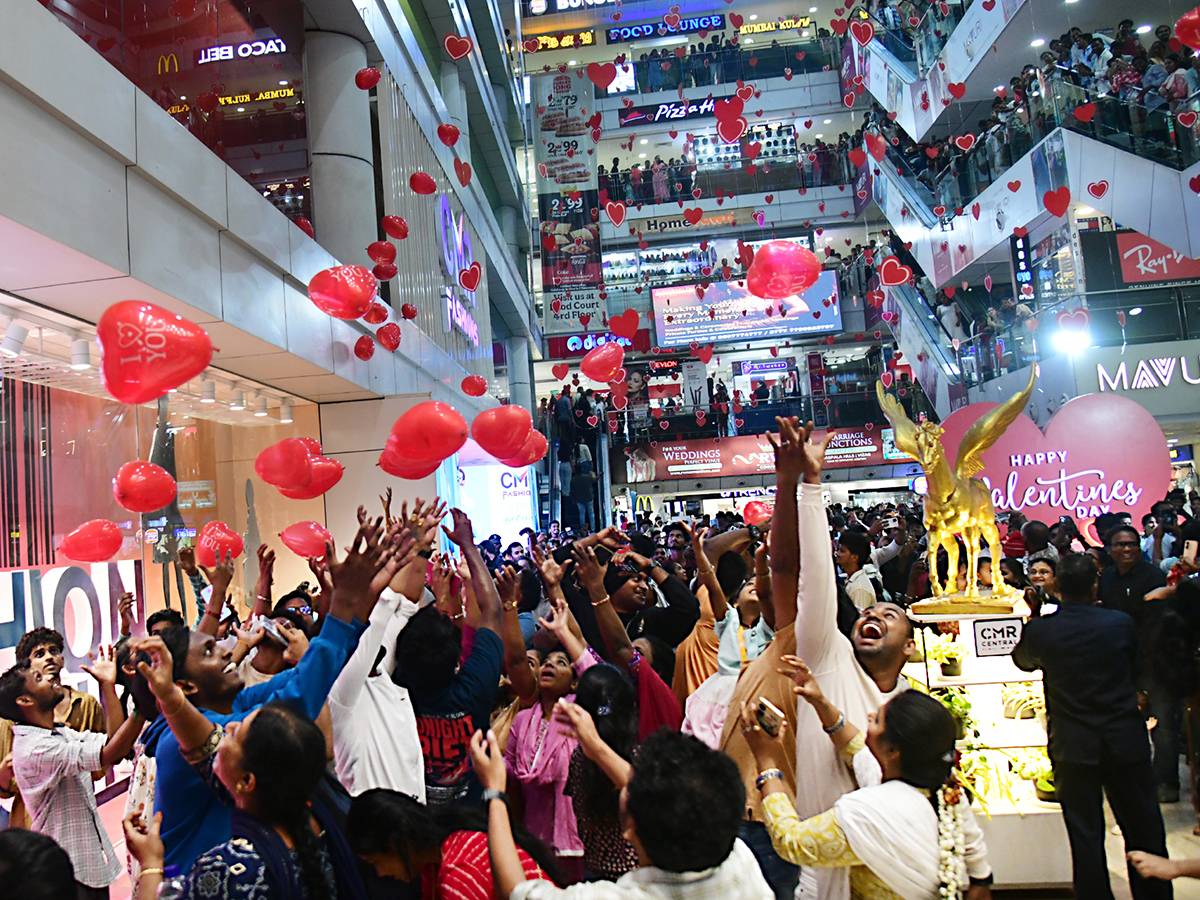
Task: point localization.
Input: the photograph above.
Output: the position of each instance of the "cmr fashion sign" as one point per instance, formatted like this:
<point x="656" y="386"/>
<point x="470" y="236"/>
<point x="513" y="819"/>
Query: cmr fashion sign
<point x="1100" y="453"/>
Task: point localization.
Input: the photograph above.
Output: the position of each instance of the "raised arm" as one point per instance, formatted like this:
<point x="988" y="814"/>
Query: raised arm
<point x="188" y="724"/>
<point x="707" y="574"/>
<point x="763" y="587"/>
<point x="423" y="523"/>
<point x="562" y="625"/>
<point x="784" y="539"/>
<point x="508" y="584"/>
<point x="262" y="590"/>
<point x="612" y="629"/>
<point x="481" y="579"/>
<point x="219" y="578"/>
<point x="816" y="601"/>
<point x="121" y="731"/>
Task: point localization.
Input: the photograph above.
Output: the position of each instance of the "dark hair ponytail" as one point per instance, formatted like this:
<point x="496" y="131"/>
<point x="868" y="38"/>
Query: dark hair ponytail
<point x="285" y="751"/>
<point x="923" y="731"/>
<point x="609" y="698"/>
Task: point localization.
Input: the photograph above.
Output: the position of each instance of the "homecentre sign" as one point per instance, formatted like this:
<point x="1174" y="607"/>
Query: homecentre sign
<point x="1164" y="378"/>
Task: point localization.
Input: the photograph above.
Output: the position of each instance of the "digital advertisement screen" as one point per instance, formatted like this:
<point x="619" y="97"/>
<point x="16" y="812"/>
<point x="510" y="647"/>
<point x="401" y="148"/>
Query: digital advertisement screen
<point x="728" y="312"/>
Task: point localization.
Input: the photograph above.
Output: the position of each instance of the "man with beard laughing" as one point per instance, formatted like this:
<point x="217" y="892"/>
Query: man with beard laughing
<point x="857" y="675"/>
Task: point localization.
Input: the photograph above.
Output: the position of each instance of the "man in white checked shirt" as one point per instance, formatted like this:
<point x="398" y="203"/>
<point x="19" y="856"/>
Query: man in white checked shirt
<point x="53" y="765"/>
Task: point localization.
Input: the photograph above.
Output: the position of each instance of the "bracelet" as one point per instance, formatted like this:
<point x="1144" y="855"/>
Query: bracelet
<point x="766" y="775"/>
<point x="511" y="606"/>
<point x="836" y="726"/>
<point x="138" y="883"/>
<point x="492" y="794"/>
<point x="240" y="641"/>
<point x="600" y="602"/>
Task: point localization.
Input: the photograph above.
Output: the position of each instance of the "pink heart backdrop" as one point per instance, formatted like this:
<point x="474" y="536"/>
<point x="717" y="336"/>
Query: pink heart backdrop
<point x="1100" y="453"/>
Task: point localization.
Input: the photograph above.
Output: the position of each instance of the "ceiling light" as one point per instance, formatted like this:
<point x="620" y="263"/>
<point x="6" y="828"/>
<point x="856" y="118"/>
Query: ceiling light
<point x="1145" y="29"/>
<point x="820" y="135"/>
<point x="754" y="18"/>
<point x="260" y="408"/>
<point x="641" y="156"/>
<point x="208" y="392"/>
<point x="828" y="121"/>
<point x="572" y="62"/>
<point x="284" y="81"/>
<point x="14" y="339"/>
<point x="1072" y="341"/>
<point x="285" y="412"/>
<point x="804" y="34"/>
<point x="1037" y="42"/>
<point x="812" y="9"/>
<point x="748" y="41"/>
<point x="238" y="400"/>
<point x="1136" y="311"/>
<point x="182" y="96"/>
<point x="81" y="354"/>
<point x="644" y="141"/>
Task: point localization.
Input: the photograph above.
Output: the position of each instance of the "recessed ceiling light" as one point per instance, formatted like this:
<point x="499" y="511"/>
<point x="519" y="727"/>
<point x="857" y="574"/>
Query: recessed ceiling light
<point x="241" y="109"/>
<point x="641" y="156"/>
<point x="754" y="18"/>
<point x="804" y="34"/>
<point x="812" y="9"/>
<point x="1136" y="311"/>
<point x="283" y="82"/>
<point x="1037" y="42"/>
<point x="1144" y="29"/>
<point x="572" y="62"/>
<point x="828" y="121"/>
<point x="748" y="41"/>
<point x="644" y="141"/>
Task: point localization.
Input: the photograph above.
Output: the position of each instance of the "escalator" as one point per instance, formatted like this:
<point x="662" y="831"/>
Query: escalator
<point x="926" y="347"/>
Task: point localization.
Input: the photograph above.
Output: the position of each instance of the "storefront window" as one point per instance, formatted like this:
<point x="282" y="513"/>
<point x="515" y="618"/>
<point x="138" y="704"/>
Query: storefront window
<point x="229" y="72"/>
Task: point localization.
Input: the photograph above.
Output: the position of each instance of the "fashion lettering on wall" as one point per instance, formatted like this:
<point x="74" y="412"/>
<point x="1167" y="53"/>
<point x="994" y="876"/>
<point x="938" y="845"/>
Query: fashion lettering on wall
<point x="457" y="255"/>
<point x="242" y="51"/>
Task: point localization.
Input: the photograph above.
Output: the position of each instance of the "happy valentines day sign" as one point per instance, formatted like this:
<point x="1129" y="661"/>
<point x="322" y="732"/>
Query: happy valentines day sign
<point x="1100" y="453"/>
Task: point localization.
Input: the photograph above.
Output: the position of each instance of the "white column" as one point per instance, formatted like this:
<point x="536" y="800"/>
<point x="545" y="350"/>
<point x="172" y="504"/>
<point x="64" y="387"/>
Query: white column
<point x="520" y="387"/>
<point x="511" y="227"/>
<point x="455" y="96"/>
<point x="339" y="140"/>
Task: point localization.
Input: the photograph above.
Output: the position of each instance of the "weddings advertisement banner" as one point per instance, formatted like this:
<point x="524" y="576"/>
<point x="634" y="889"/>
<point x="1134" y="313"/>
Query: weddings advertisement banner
<point x="568" y="200"/>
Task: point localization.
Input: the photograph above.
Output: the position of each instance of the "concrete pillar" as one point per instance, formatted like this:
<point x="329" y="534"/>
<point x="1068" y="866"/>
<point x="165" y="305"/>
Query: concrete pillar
<point x="455" y="97"/>
<point x="512" y="227"/>
<point x="339" y="141"/>
<point x="520" y="384"/>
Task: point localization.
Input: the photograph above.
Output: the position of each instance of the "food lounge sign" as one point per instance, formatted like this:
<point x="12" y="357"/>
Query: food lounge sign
<point x="1067" y="470"/>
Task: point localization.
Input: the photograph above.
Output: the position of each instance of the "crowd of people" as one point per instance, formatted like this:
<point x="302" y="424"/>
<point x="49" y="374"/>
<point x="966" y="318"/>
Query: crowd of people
<point x="664" y="710"/>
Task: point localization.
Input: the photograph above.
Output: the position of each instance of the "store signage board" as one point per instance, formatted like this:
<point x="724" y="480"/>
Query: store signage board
<point x="996" y="637"/>
<point x="784" y="25"/>
<point x="561" y="314"/>
<point x="728" y="312"/>
<point x="240" y="51"/>
<point x="1100" y="453"/>
<point x="542" y="7"/>
<point x="1144" y="259"/>
<point x="564" y="41"/>
<point x="710" y="219"/>
<point x="766" y="367"/>
<point x="457" y="254"/>
<point x="671" y="111"/>
<point x="734" y="456"/>
<point x="560" y="347"/>
<point x="624" y="33"/>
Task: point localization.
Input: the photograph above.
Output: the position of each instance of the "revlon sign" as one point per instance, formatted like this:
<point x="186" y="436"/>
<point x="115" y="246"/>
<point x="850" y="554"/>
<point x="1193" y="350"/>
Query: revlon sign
<point x="1100" y="453"/>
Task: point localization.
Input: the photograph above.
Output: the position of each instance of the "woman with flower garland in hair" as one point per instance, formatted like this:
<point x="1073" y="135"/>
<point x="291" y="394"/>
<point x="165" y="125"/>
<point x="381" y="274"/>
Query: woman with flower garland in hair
<point x="908" y="832"/>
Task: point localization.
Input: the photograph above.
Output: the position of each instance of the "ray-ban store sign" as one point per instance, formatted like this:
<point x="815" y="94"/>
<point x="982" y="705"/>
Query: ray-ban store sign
<point x="667" y="112"/>
<point x="623" y="33"/>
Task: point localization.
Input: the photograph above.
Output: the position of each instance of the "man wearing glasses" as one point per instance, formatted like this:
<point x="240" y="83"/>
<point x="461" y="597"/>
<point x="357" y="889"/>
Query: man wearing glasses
<point x="1129" y="585"/>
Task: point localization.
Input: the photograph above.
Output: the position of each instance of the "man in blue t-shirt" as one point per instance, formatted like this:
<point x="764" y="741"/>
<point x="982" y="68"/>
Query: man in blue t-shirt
<point x="451" y="701"/>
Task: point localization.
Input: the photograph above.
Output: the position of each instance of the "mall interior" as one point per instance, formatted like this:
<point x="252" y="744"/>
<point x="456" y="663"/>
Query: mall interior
<point x="608" y="170"/>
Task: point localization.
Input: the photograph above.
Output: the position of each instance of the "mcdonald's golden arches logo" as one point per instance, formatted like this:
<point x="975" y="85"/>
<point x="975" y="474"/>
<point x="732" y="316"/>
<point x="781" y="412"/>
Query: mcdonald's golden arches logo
<point x="165" y="63"/>
<point x="643" y="504"/>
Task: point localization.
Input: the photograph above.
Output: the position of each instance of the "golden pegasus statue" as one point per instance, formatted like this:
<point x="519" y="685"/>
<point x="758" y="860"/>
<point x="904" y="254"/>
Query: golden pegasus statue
<point x="957" y="503"/>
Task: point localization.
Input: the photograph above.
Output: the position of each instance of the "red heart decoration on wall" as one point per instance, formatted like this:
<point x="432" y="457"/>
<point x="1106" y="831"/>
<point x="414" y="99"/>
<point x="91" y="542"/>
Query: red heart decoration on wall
<point x="457" y="47"/>
<point x="1140" y="461"/>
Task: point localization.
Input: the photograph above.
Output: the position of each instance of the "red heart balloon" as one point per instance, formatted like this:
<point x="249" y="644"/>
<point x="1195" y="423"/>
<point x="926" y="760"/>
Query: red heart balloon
<point x="535" y="448"/>
<point x="367" y="78"/>
<point x="312" y="445"/>
<point x="376" y="314"/>
<point x="430" y="432"/>
<point x="409" y="311"/>
<point x="448" y="134"/>
<point x="364" y="348"/>
<point x="344" y="292"/>
<point x="474" y="385"/>
<point x="422" y="183"/>
<point x="285" y="464"/>
<point x="146" y="351"/>
<point x="392" y="462"/>
<point x="326" y="473"/>
<point x="395" y="227"/>
<point x="502" y="430"/>
<point x="143" y="487"/>
<point x="94" y="541"/>
<point x="757" y="512"/>
<point x="382" y="252"/>
<point x="306" y="226"/>
<point x="782" y="269"/>
<point x="389" y="336"/>
<point x="217" y="537"/>
<point x="603" y="363"/>
<point x="385" y="271"/>
<point x="306" y="539"/>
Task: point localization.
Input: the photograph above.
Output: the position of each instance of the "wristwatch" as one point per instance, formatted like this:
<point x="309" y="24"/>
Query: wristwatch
<point x="755" y="533"/>
<point x="492" y="794"/>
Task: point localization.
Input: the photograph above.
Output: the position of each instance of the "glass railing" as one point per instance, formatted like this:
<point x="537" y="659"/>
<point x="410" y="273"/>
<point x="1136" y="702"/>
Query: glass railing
<point x="896" y="35"/>
<point x="1115" y="318"/>
<point x="930" y="36"/>
<point x="767" y="55"/>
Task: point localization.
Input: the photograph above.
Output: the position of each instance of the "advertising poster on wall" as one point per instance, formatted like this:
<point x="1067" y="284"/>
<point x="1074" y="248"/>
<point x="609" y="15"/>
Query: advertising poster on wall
<point x="568" y="199"/>
<point x="569" y="310"/>
<point x="729" y="312"/>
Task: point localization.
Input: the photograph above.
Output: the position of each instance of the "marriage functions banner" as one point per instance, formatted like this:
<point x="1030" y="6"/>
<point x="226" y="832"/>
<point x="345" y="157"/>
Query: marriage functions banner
<point x="568" y="201"/>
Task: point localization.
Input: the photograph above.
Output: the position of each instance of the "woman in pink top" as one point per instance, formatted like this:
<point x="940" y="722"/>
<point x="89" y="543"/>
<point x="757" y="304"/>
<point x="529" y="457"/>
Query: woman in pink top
<point x="539" y="748"/>
<point x="660" y="181"/>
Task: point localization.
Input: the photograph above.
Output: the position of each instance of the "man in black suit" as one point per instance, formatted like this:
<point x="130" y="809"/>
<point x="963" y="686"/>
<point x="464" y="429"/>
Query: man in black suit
<point x="1098" y="742"/>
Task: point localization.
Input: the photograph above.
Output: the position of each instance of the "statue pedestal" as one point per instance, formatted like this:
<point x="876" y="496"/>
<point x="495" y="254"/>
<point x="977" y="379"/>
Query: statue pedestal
<point x="959" y="605"/>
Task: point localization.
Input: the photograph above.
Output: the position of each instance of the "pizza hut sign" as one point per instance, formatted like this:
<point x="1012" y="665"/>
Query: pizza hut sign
<point x="1100" y="453"/>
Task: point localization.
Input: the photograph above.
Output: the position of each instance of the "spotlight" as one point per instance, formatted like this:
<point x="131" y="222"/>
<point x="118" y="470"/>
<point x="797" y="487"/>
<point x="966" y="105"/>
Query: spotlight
<point x="81" y="354"/>
<point x="208" y="392"/>
<point x="1072" y="341"/>
<point x="14" y="339"/>
<point x="260" y="408"/>
<point x="285" y="411"/>
<point x="238" y="400"/>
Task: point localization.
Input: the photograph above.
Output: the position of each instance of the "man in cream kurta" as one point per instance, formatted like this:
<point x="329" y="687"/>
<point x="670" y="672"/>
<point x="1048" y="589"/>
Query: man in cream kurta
<point x="857" y="675"/>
